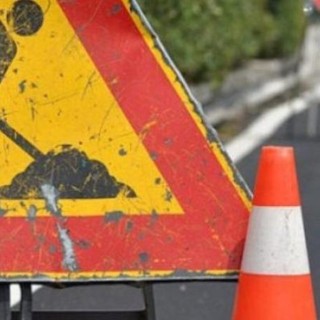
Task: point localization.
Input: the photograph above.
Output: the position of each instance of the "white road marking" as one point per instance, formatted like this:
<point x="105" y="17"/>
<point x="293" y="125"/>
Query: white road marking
<point x="15" y="294"/>
<point x="268" y="123"/>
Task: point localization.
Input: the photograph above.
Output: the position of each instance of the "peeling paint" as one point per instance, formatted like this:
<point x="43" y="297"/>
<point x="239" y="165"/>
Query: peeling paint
<point x="41" y="239"/>
<point x="185" y="274"/>
<point x="3" y="212"/>
<point x="154" y="155"/>
<point x="113" y="216"/>
<point x="52" y="249"/>
<point x="154" y="218"/>
<point x="51" y="197"/>
<point x="22" y="86"/>
<point x="129" y="226"/>
<point x="69" y="258"/>
<point x="168" y="141"/>
<point x="116" y="8"/>
<point x="32" y="213"/>
<point x="144" y="257"/>
<point x="168" y="239"/>
<point x="83" y="244"/>
<point x="141" y="236"/>
<point x="168" y="196"/>
<point x="179" y="274"/>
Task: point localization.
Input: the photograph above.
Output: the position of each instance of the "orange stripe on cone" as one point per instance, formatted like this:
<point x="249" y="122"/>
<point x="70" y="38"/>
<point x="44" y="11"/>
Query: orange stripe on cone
<point x="261" y="297"/>
<point x="275" y="280"/>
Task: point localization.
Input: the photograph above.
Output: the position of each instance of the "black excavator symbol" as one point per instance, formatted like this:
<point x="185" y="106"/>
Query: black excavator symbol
<point x="67" y="169"/>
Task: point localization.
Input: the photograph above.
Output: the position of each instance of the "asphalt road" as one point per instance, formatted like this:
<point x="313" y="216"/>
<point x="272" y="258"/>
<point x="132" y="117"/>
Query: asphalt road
<point x="208" y="300"/>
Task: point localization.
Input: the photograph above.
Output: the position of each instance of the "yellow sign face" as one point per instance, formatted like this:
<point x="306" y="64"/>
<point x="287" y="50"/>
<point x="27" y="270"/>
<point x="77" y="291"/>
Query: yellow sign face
<point x="54" y="132"/>
<point x="98" y="138"/>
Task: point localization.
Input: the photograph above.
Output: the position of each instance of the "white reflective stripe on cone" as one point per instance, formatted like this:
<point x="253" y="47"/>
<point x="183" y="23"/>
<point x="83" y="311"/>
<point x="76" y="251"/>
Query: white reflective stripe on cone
<point x="275" y="244"/>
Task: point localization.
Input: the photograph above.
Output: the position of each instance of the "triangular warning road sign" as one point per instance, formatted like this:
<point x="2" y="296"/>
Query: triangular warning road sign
<point x="108" y="170"/>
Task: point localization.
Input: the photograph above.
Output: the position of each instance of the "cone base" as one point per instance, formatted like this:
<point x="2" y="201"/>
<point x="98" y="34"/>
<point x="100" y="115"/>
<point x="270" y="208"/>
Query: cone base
<point x="268" y="297"/>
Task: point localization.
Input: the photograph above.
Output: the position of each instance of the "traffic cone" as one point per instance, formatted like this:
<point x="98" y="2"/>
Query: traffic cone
<point x="274" y="281"/>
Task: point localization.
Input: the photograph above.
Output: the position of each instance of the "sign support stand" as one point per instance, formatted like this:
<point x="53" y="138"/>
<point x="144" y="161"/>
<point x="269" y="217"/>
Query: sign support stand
<point x="148" y="294"/>
<point x="26" y="302"/>
<point x="5" y="312"/>
<point x="26" y="312"/>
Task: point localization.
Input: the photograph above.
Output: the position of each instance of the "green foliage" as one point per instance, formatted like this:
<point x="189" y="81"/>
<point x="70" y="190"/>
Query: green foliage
<point x="206" y="38"/>
<point x="289" y="28"/>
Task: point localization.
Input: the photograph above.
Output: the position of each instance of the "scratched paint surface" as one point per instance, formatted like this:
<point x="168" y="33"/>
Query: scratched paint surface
<point x="55" y="98"/>
<point x="108" y="170"/>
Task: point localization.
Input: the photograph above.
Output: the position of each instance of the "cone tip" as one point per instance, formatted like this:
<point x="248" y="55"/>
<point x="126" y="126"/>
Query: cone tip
<point x="276" y="182"/>
<point x="278" y="151"/>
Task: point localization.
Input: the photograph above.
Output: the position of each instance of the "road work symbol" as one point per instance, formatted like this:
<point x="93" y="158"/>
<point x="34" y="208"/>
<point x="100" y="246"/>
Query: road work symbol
<point x="108" y="169"/>
<point x="70" y="171"/>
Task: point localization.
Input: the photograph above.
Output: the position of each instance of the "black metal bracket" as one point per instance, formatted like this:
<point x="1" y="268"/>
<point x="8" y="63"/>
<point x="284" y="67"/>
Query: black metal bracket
<point x="5" y="312"/>
<point x="26" y="302"/>
<point x="26" y="312"/>
<point x="148" y="294"/>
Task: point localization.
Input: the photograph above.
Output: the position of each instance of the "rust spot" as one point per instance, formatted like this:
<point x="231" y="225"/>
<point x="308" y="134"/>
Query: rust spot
<point x="144" y="257"/>
<point x="32" y="213"/>
<point x="129" y="226"/>
<point x="116" y="8"/>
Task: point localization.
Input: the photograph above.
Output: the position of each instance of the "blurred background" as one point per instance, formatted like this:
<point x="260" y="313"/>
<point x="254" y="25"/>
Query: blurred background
<point x="208" y="39"/>
<point x="240" y="57"/>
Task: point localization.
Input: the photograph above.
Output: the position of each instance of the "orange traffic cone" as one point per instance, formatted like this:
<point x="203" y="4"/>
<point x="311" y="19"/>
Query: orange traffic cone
<point x="275" y="280"/>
